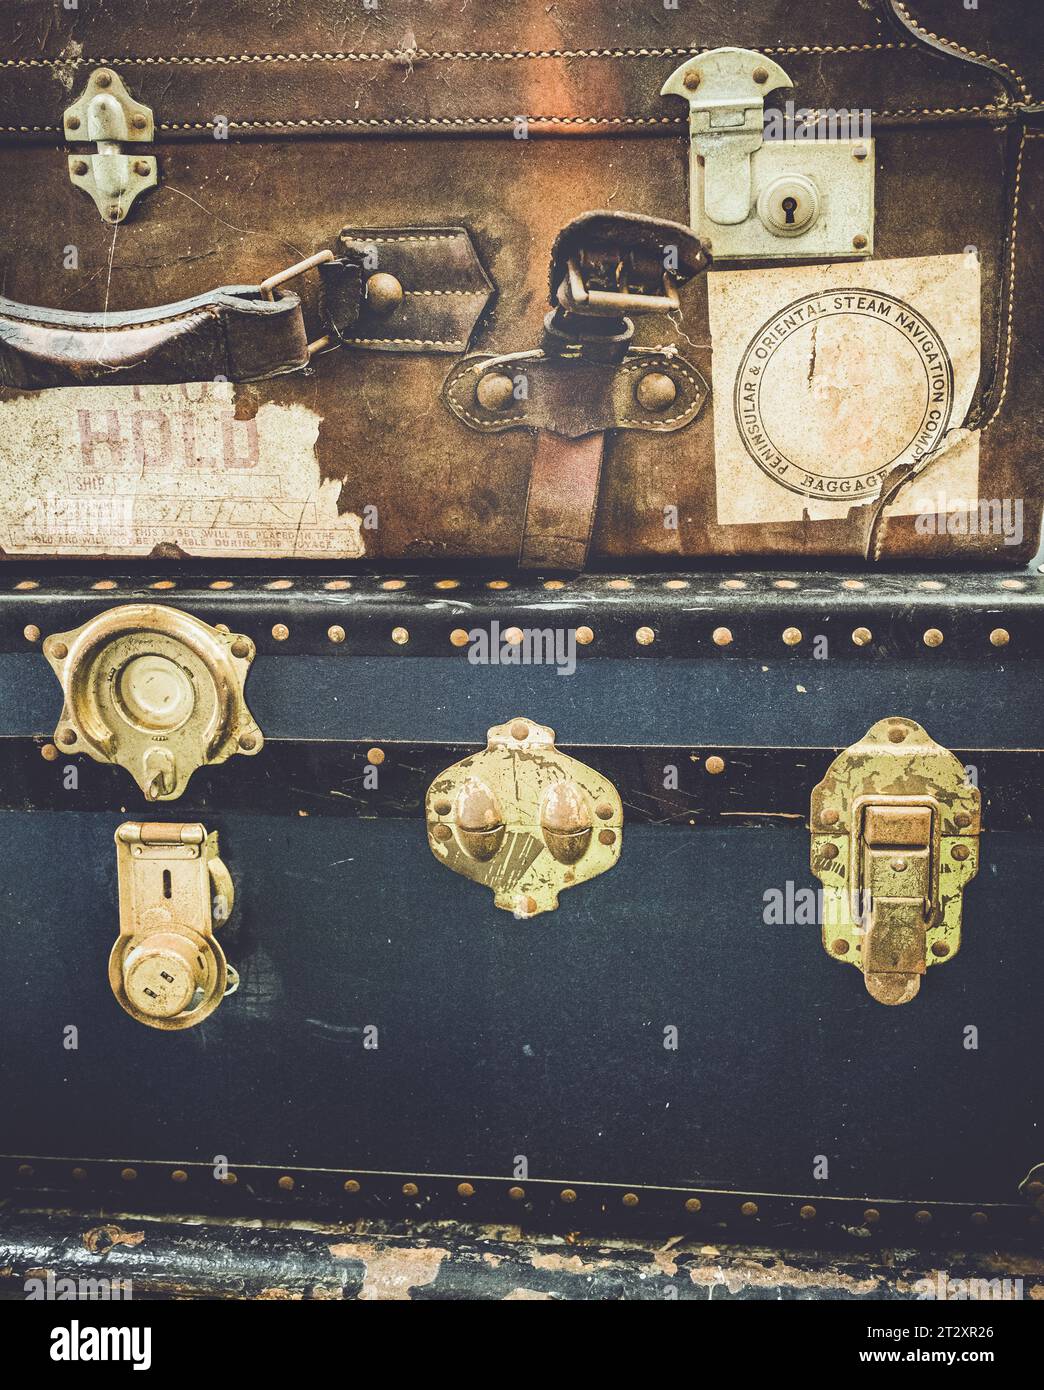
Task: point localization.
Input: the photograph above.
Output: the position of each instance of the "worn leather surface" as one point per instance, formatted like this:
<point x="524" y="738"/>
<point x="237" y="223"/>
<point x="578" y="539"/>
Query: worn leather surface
<point x="561" y="503"/>
<point x="231" y="332"/>
<point x="442" y="152"/>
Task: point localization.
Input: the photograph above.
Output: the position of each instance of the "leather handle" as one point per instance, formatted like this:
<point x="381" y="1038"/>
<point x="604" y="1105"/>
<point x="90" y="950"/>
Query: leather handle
<point x="233" y="333"/>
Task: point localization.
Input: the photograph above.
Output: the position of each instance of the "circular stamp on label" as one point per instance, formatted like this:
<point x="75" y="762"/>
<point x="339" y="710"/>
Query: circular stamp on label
<point x="839" y="387"/>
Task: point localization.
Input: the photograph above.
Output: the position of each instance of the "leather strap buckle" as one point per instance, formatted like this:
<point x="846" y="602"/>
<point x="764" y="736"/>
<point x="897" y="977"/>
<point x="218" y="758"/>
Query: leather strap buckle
<point x="576" y="294"/>
<point x="269" y="286"/>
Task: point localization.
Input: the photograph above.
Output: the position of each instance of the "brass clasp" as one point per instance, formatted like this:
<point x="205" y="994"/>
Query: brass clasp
<point x="108" y="116"/>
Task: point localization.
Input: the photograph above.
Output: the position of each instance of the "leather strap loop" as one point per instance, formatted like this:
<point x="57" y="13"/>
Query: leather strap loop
<point x="562" y="502"/>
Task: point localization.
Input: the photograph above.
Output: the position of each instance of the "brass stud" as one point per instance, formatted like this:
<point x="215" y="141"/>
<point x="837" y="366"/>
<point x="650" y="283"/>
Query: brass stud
<point x="139" y="122"/>
<point x="1000" y="637"/>
<point x="221" y="584"/>
<point x="375" y="756"/>
<point x="760" y="75"/>
<point x="459" y="637"/>
<point x="520" y="730"/>
<point x="691" y="81"/>
<point x="733" y="583"/>
<point x="585" y="636"/>
<point x="179" y="1175"/>
<point x="899" y="865"/>
<point x="620" y="584"/>
<point x="979" y="1218"/>
<point x="840" y="947"/>
<point x="498" y="584"/>
<point x="860" y="152"/>
<point x="48" y="752"/>
<point x="829" y="852"/>
<point x="829" y="817"/>
<point x="280" y="584"/>
<point x="129" y="1174"/>
<point x="229" y="1180"/>
<point x="25" y="1170"/>
<point x="655" y="391"/>
<point x="495" y="392"/>
<point x="554" y="583"/>
<point x="465" y="1189"/>
<point x="280" y="632"/>
<point x="862" y="636"/>
<point x="31" y="633"/>
<point x="103" y="79"/>
<point x="922" y="1217"/>
<point x="714" y="764"/>
<point x="241" y="647"/>
<point x="871" y="1216"/>
<point x="607" y="837"/>
<point x="338" y="584"/>
<point x="443" y="807"/>
<point x="960" y="852"/>
<point x="791" y="636"/>
<point x="513" y="636"/>
<point x="933" y="637"/>
<point x="79" y="165"/>
<point x="785" y="584"/>
<point x="447" y="583"/>
<point x="525" y="906"/>
<point x="286" y="1183"/>
<point x="73" y="122"/>
<point x="24" y="585"/>
<point x="940" y="948"/>
<point x="630" y="1199"/>
<point x="352" y="1186"/>
<point x="807" y="1212"/>
<point x="383" y="293"/>
<point x="410" y="1189"/>
<point x="645" y="636"/>
<point x="59" y="651"/>
<point x="859" y="241"/>
<point x="141" y="167"/>
<point x="962" y="818"/>
<point x="567" y="1195"/>
<point x="247" y="742"/>
<point x="67" y="736"/>
<point x="693" y="1204"/>
<point x="441" y="832"/>
<point x="896" y="734"/>
<point x="517" y="1194"/>
<point x="163" y="584"/>
<point x="335" y="633"/>
<point x="391" y="585"/>
<point x="603" y="810"/>
<point x="400" y="636"/>
<point x="749" y="1209"/>
<point x="721" y="637"/>
<point x="79" y="1175"/>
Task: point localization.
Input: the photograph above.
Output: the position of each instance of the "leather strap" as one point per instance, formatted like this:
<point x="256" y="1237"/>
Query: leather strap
<point x="232" y="332"/>
<point x="562" y="501"/>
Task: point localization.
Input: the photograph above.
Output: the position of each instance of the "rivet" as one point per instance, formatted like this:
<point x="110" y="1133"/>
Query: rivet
<point x="807" y="1212"/>
<point x="280" y="632"/>
<point x="67" y="736"/>
<point x="922" y="1217"/>
<point x="675" y="583"/>
<point x="73" y="122"/>
<point x="829" y="851"/>
<point x="791" y="636"/>
<point x="229" y="1180"/>
<point x="859" y="241"/>
<point x="554" y="583"/>
<point x="585" y="636"/>
<point x="896" y="734"/>
<point x="785" y="584"/>
<point x="163" y="584"/>
<point x="139" y="122"/>
<point x="179" y="1175"/>
<point x="520" y="730"/>
<point x="840" y="947"/>
<point x="630" y="1199"/>
<point x="221" y="584"/>
<point x="351" y="1186"/>
<point x="465" y="1189"/>
<point x="517" y="1194"/>
<point x="979" y="1218"/>
<point x="693" y="1204"/>
<point x="962" y="818"/>
<point x="733" y="583"/>
<point x="393" y="584"/>
<point x="443" y="807"/>
<point x="103" y="79"/>
<point x="410" y="1189"/>
<point x="567" y="1195"/>
<point x="24" y="585"/>
<point x="80" y="165"/>
<point x="899" y="865"/>
<point x="871" y="1216"/>
<point x="286" y="1183"/>
<point x="31" y="633"/>
<point x="829" y="817"/>
<point x="247" y="742"/>
<point x="141" y="167"/>
<point x="335" y="633"/>
<point x="960" y="852"/>
<point x="603" y="810"/>
<point x="645" y="636"/>
<point x="129" y="1174"/>
<point x="760" y="75"/>
<point x="526" y="906"/>
<point x="940" y="948"/>
<point x="338" y="584"/>
<point x="498" y="584"/>
<point x="655" y="391"/>
<point x="400" y="636"/>
<point x="441" y="832"/>
<point x="1000" y="637"/>
<point x="691" y="81"/>
<point x="79" y="1174"/>
<point x="606" y="837"/>
<point x="714" y="764"/>
<point x="860" y="152"/>
<point x="383" y="293"/>
<point x="459" y="637"/>
<point x="513" y="636"/>
<point x="749" y="1209"/>
<point x="375" y="756"/>
<point x="721" y="637"/>
<point x="59" y="651"/>
<point x="447" y="583"/>
<point x="25" y="1170"/>
<point x="241" y="647"/>
<point x="933" y="637"/>
<point x="48" y="752"/>
<point x="280" y="584"/>
<point x="620" y="584"/>
<point x="862" y="636"/>
<point x="495" y="392"/>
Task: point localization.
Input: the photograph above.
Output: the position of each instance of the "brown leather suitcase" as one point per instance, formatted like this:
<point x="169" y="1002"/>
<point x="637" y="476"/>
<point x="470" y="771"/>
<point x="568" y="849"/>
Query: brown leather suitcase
<point x="794" y="300"/>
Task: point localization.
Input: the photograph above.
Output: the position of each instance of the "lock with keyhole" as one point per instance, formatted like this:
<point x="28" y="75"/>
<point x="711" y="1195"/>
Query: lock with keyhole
<point x="789" y="205"/>
<point x="166" y="968"/>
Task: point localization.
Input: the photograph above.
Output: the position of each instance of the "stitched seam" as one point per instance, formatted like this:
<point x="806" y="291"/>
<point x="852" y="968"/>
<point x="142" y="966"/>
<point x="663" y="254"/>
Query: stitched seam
<point x="428" y="236"/>
<point x="435" y="55"/>
<point x="473" y="294"/>
<point x="421" y="342"/>
<point x="210" y="309"/>
<point x="955" y="47"/>
<point x="1011" y="286"/>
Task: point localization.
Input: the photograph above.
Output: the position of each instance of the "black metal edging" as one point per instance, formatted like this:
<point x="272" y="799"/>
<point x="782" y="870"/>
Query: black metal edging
<point x="716" y="785"/>
<point x="645" y="616"/>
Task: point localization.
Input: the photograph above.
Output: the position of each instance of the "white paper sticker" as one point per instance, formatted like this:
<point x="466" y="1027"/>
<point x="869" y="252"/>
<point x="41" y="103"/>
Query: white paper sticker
<point x="825" y="378"/>
<point x="120" y="470"/>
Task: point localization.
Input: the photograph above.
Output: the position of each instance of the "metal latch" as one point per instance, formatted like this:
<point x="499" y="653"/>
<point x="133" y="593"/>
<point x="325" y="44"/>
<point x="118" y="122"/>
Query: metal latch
<point x="524" y="819"/>
<point x="166" y="968"/>
<point x="108" y="116"/>
<point x="895" y="827"/>
<point x="752" y="198"/>
<point x="155" y="690"/>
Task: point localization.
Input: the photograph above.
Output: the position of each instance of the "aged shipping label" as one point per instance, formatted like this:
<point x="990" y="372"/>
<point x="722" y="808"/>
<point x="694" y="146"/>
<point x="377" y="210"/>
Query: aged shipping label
<point x="825" y="378"/>
<point x="121" y="470"/>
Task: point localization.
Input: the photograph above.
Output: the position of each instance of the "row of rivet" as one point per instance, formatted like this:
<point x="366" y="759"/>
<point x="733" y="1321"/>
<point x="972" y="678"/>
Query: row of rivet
<point x="467" y="1190"/>
<point x="391" y="585"/>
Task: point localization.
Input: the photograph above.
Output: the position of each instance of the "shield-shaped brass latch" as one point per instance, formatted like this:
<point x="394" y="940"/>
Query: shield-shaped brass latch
<point x="524" y="819"/>
<point x="895" y="829"/>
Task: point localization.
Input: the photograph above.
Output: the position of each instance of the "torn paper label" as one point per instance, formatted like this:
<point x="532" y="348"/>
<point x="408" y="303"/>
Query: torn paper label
<point x="121" y="470"/>
<point x="825" y="378"/>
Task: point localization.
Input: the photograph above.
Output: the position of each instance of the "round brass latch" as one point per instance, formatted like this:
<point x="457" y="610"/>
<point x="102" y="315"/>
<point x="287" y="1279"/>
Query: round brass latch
<point x="655" y="391"/>
<point x="383" y="293"/>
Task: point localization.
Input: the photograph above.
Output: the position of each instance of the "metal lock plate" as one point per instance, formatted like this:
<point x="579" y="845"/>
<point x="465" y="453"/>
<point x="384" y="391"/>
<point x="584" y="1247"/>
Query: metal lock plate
<point x="777" y="199"/>
<point x="156" y="691"/>
<point x="166" y="968"/>
<point x="524" y="819"/>
<point x="895" y="829"/>
<point x="108" y="116"/>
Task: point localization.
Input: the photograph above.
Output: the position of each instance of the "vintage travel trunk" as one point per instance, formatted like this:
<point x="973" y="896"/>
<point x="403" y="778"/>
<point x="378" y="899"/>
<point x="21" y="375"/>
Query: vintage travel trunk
<point x="575" y="285"/>
<point x="680" y="904"/>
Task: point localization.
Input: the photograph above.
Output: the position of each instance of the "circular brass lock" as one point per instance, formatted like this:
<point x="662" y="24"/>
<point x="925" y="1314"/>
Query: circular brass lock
<point x="789" y="205"/>
<point x="170" y="978"/>
<point x="156" y="691"/>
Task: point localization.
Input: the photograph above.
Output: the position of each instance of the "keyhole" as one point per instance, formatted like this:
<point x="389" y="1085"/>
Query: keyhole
<point x="166" y="883"/>
<point x="789" y="206"/>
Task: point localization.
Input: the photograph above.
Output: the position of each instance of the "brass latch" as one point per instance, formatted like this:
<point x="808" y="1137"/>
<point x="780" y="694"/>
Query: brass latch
<point x="895" y="827"/>
<point x="166" y="968"/>
<point x="108" y="117"/>
<point x="752" y="198"/>
<point x="155" y="690"/>
<point x="524" y="819"/>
